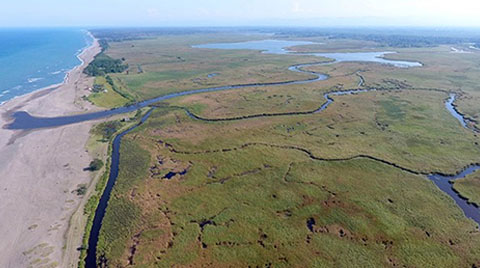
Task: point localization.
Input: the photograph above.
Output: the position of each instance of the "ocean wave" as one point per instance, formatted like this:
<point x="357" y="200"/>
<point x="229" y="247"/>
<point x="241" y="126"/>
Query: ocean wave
<point x="3" y="93"/>
<point x="35" y="79"/>
<point x="50" y="72"/>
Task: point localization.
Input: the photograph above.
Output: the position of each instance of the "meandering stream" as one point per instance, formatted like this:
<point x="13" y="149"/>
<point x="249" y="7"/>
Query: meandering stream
<point x="24" y="121"/>
<point x="445" y="182"/>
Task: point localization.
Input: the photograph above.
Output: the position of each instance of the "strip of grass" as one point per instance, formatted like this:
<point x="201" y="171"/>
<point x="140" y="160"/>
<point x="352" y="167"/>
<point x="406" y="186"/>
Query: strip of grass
<point x="122" y="215"/>
<point x="469" y="187"/>
<point x="98" y="134"/>
<point x="90" y="208"/>
<point x="120" y="220"/>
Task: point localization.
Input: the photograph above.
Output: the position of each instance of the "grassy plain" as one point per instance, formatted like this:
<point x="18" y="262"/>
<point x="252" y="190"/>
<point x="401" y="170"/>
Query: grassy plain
<point x="169" y="64"/>
<point x="236" y="204"/>
<point x="293" y="190"/>
<point x="108" y="98"/>
<point x="456" y="72"/>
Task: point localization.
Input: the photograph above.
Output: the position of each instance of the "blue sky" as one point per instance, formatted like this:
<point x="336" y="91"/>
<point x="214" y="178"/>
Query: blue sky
<point x="239" y="12"/>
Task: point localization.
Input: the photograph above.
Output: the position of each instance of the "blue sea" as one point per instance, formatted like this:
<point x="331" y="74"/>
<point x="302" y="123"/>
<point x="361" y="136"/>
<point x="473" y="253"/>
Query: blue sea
<point x="32" y="59"/>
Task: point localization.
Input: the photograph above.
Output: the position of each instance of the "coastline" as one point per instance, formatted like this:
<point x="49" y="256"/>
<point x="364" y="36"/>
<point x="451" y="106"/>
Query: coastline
<point x="82" y="65"/>
<point x="39" y="171"/>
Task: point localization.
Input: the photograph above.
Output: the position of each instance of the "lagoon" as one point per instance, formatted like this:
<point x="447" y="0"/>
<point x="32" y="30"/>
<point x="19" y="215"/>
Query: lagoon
<point x="281" y="47"/>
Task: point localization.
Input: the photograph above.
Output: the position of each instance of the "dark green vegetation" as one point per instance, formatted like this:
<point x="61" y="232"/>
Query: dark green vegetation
<point x="95" y="165"/>
<point x="292" y="190"/>
<point x="107" y="129"/>
<point x="81" y="190"/>
<point x="103" y="64"/>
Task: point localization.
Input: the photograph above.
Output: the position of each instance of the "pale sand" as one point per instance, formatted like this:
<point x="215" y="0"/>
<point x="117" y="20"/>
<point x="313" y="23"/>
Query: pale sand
<point x="38" y="173"/>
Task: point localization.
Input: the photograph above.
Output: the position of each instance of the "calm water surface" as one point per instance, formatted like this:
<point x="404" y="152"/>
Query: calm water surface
<point x="279" y="47"/>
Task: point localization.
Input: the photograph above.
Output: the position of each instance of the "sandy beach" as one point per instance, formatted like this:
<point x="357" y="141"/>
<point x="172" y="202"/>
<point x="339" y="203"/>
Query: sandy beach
<point x="38" y="172"/>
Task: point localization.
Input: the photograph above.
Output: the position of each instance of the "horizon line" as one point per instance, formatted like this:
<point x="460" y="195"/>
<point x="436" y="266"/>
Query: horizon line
<point x="238" y="26"/>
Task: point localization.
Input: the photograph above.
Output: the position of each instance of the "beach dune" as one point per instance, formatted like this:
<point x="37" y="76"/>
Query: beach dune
<point x="38" y="172"/>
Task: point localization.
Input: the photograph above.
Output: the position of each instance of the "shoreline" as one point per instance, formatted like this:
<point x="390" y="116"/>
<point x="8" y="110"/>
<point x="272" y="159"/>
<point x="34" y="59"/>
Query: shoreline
<point x="78" y="55"/>
<point x="39" y="171"/>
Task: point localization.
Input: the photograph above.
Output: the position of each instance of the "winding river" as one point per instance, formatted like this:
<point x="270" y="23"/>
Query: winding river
<point x="445" y="182"/>
<point x="24" y="121"/>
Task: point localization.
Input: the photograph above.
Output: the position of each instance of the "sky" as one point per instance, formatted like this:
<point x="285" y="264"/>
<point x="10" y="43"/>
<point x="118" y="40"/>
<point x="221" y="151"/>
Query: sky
<point x="21" y="13"/>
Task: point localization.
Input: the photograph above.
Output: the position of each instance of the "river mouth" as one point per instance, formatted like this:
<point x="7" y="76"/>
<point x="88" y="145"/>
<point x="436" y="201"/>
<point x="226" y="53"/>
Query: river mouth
<point x="24" y="121"/>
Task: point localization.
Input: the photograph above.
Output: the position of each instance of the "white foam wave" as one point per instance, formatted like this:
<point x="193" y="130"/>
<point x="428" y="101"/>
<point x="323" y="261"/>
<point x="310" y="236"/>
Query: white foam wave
<point x="35" y="79"/>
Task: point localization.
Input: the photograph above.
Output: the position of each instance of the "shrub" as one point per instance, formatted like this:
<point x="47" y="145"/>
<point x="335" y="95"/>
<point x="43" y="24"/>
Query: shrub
<point x="107" y="129"/>
<point x="82" y="189"/>
<point x="95" y="165"/>
<point x="98" y="88"/>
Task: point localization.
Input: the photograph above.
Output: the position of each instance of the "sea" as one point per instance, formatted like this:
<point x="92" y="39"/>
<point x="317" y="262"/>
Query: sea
<point x="31" y="59"/>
